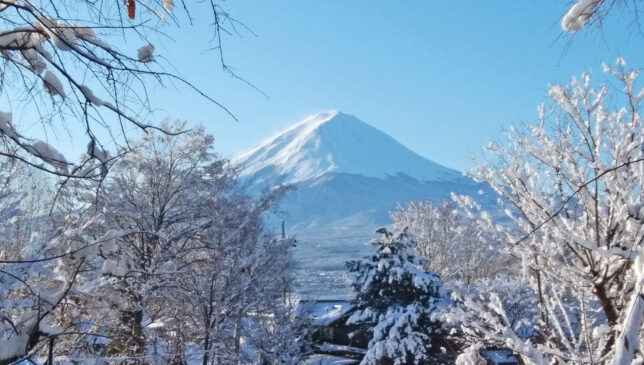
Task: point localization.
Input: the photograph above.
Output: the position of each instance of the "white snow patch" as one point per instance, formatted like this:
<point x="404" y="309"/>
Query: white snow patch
<point x="107" y="242"/>
<point x="168" y="5"/>
<point x="34" y="60"/>
<point x="21" y="39"/>
<point x="600" y="331"/>
<point x="318" y="359"/>
<point x="49" y="154"/>
<point x="324" y="312"/>
<point x="115" y="267"/>
<point x="13" y="347"/>
<point x="52" y="297"/>
<point x="85" y="33"/>
<point x="53" y="85"/>
<point x="89" y="95"/>
<point x="146" y="53"/>
<point x="579" y="13"/>
<point x="63" y="36"/>
<point x="50" y="329"/>
<point x="154" y="325"/>
<point x="471" y="356"/>
<point x="5" y="125"/>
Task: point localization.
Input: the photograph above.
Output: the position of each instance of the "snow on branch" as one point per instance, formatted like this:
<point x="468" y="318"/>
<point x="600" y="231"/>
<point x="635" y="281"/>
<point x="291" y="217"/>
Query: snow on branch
<point x="579" y="13"/>
<point x="59" y="61"/>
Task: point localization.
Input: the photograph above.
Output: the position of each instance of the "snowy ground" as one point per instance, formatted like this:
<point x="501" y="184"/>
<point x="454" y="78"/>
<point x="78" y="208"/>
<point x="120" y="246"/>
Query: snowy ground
<point x="320" y="261"/>
<point x="328" y="360"/>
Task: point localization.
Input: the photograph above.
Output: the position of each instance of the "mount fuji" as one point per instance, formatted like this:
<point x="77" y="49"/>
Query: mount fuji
<point x="347" y="173"/>
<point x="348" y="176"/>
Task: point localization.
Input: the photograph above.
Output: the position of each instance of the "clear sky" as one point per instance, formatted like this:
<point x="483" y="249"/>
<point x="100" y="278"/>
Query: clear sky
<point x="442" y="77"/>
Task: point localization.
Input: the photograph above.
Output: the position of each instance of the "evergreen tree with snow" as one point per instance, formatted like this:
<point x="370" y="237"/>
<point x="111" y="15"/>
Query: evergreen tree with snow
<point x="397" y="300"/>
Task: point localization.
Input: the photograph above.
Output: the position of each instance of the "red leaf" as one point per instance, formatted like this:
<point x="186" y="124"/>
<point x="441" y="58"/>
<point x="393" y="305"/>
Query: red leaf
<point x="131" y="6"/>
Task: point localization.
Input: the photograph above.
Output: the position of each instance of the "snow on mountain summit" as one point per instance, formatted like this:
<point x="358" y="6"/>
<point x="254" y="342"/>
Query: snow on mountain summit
<point x="335" y="142"/>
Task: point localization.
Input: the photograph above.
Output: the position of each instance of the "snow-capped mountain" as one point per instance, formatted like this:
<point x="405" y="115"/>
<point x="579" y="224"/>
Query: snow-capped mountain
<point x="349" y="176"/>
<point x="347" y="172"/>
<point x="337" y="143"/>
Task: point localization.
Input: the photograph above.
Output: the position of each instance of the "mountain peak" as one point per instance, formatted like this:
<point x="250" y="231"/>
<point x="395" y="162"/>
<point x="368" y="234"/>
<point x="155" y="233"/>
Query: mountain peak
<point x="317" y="119"/>
<point x="335" y="142"/>
<point x="326" y="119"/>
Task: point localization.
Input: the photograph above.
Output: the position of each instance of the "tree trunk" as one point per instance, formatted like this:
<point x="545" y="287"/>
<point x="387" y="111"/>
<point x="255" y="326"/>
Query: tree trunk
<point x="206" y="348"/>
<point x="609" y="311"/>
<point x="50" y="358"/>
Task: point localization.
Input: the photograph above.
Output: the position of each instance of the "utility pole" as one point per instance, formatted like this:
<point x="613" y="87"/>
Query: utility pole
<point x="50" y="357"/>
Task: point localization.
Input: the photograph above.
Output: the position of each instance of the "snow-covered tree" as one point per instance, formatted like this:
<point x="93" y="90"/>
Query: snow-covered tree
<point x="451" y="244"/>
<point x="236" y="277"/>
<point x="37" y="279"/>
<point x="572" y="189"/>
<point x="282" y="337"/>
<point x="515" y="298"/>
<point x="185" y="257"/>
<point x="584" y="12"/>
<point x="498" y="312"/>
<point x="397" y="299"/>
<point x="66" y="62"/>
<point x="158" y="194"/>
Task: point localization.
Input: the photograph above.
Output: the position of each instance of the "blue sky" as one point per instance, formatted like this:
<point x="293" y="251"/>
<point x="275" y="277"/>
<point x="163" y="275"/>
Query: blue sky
<point x="443" y="78"/>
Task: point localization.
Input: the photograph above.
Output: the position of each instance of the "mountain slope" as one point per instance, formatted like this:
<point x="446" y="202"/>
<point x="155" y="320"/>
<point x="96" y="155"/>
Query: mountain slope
<point x="346" y="171"/>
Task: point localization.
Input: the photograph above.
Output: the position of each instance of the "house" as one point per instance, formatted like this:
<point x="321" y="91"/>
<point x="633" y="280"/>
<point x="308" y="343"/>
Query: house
<point x="332" y="334"/>
<point x="334" y="337"/>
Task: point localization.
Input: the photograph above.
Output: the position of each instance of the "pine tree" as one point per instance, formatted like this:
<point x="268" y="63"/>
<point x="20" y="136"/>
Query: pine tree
<point x="397" y="300"/>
